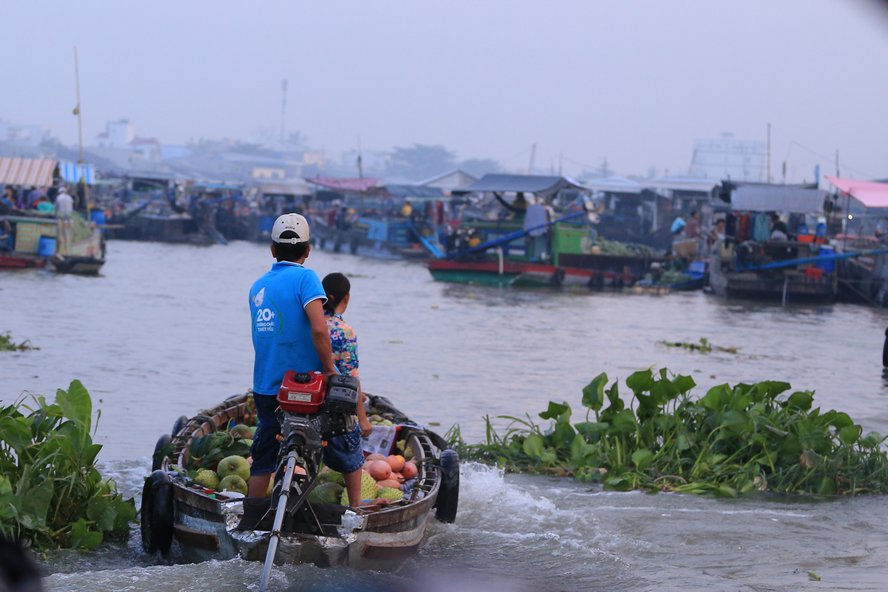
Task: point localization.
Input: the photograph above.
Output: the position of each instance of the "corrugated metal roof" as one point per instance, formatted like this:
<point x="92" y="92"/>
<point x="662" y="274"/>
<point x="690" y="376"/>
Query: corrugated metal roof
<point x="777" y="198"/>
<point x="338" y="184"/>
<point x="614" y="184"/>
<point x="27" y="171"/>
<point x="413" y="191"/>
<point x="539" y="184"/>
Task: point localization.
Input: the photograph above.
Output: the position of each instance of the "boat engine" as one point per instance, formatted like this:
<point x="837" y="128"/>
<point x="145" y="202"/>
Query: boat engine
<point x="314" y="408"/>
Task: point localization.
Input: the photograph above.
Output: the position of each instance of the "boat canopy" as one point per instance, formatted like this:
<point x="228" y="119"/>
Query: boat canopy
<point x="291" y="187"/>
<point x="408" y="191"/>
<point x="872" y="194"/>
<point x="537" y="184"/>
<point x="778" y="198"/>
<point x="615" y="184"/>
<point x="34" y="172"/>
<point x="352" y="185"/>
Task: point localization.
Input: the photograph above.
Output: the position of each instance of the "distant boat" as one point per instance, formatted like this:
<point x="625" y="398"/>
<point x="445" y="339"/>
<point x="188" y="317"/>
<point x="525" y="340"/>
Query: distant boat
<point x="31" y="240"/>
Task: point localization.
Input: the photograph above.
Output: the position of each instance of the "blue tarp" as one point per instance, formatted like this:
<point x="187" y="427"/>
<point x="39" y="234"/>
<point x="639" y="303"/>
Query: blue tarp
<point x="72" y="172"/>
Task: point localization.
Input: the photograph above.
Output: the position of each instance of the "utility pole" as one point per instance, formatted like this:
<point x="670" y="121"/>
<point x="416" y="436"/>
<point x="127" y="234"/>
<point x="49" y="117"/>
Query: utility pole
<point x="77" y="108"/>
<point x="360" y="160"/>
<point x="769" y="152"/>
<point x="283" y="113"/>
<point x="533" y="153"/>
<point x="83" y="188"/>
<point x="837" y="163"/>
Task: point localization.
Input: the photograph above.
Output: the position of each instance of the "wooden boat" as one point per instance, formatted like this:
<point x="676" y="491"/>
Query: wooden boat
<point x="573" y="262"/>
<point x="211" y="525"/>
<point x="780" y="271"/>
<point x="36" y="241"/>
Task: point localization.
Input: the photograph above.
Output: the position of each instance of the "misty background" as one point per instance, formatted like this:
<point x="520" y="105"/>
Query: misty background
<point x="625" y="87"/>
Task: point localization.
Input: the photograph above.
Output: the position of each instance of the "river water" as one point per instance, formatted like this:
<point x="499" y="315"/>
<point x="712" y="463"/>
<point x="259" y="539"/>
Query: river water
<point x="164" y="332"/>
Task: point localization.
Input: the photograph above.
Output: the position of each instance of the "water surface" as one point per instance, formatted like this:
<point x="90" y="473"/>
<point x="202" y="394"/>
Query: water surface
<point x="165" y="332"/>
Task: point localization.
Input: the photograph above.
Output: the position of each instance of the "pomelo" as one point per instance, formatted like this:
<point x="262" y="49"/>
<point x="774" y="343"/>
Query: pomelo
<point x="326" y="493"/>
<point x="207" y="478"/>
<point x="391" y="493"/>
<point x="241" y="431"/>
<point x="396" y="461"/>
<point x="234" y="465"/>
<point x="234" y="483"/>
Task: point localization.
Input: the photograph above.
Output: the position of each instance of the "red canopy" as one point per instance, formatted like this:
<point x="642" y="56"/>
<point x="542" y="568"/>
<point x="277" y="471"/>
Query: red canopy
<point x="871" y="194"/>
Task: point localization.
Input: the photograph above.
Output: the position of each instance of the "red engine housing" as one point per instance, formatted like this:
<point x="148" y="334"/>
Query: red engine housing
<point x="302" y="392"/>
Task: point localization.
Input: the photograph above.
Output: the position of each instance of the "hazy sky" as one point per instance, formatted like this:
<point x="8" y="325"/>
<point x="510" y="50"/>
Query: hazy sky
<point x="635" y="81"/>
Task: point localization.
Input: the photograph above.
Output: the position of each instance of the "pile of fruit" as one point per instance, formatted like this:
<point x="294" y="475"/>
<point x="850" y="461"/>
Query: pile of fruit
<point x="384" y="479"/>
<point x="220" y="461"/>
<point x="377" y="419"/>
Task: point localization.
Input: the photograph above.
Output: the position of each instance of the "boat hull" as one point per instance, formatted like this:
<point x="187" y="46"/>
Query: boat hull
<point x="774" y="287"/>
<point x="21" y="261"/>
<point x="207" y="525"/>
<point x="525" y="274"/>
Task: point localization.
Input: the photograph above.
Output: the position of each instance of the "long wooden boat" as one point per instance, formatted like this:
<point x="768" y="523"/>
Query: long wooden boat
<point x="207" y="524"/>
<point x="590" y="271"/>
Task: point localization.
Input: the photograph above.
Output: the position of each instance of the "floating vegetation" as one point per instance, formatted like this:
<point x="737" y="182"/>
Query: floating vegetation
<point x="733" y="440"/>
<point x="7" y="344"/>
<point x="50" y="490"/>
<point x="704" y="346"/>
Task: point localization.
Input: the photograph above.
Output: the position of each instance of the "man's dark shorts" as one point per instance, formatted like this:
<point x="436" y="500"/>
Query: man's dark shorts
<point x="343" y="453"/>
<point x="265" y="447"/>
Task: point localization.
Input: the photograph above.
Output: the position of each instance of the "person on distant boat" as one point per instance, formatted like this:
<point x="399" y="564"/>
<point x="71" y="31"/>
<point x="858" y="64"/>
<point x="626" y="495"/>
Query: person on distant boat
<point x="779" y="229"/>
<point x="716" y="233"/>
<point x="64" y="210"/>
<point x="44" y="206"/>
<point x="406" y="209"/>
<point x="7" y="200"/>
<point x="677" y="225"/>
<point x="536" y="226"/>
<point x="692" y="229"/>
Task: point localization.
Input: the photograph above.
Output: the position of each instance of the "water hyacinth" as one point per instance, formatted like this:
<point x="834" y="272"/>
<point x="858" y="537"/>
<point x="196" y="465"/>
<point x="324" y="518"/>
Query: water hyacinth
<point x="50" y="490"/>
<point x="7" y="343"/>
<point x="732" y="440"/>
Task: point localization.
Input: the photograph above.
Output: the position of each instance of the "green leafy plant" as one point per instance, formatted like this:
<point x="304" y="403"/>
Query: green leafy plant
<point x="7" y="344"/>
<point x="732" y="440"/>
<point x="704" y="346"/>
<point x="50" y="490"/>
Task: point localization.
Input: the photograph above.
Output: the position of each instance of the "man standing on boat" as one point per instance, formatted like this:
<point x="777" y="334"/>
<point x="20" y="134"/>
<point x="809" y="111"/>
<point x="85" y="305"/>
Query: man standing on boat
<point x="64" y="207"/>
<point x="290" y="333"/>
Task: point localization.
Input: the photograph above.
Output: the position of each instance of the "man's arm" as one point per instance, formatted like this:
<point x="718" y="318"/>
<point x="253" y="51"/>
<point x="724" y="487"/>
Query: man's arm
<point x="320" y="335"/>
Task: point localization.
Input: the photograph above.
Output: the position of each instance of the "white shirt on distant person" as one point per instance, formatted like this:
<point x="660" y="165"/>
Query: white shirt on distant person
<point x="64" y="205"/>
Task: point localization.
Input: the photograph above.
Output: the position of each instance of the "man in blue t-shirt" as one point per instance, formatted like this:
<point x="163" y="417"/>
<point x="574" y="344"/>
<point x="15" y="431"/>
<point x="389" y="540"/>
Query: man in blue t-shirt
<point x="290" y="333"/>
